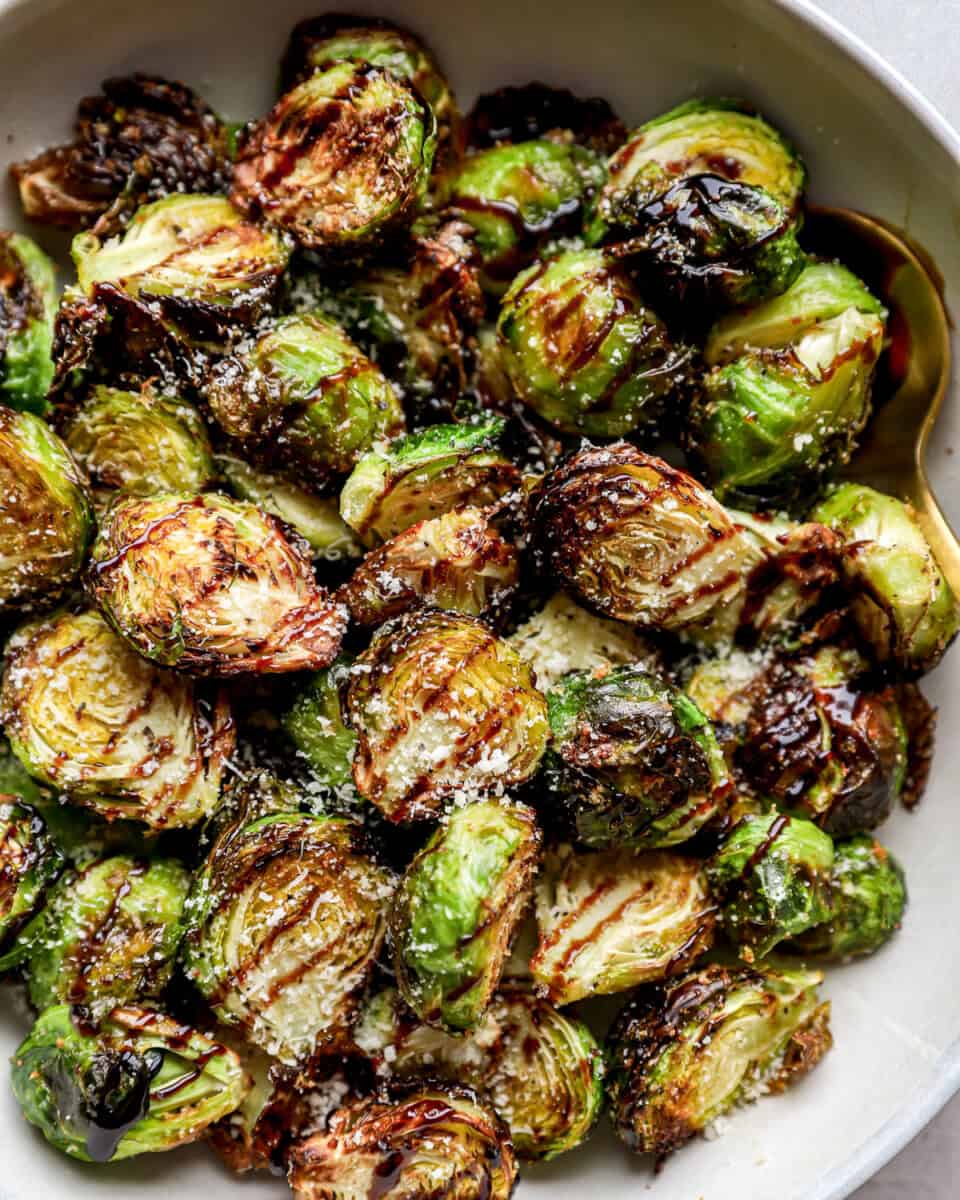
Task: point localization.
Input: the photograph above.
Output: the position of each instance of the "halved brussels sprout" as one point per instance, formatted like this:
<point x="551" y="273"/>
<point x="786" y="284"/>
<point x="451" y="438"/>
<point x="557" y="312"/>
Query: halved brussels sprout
<point x="456" y="562"/>
<point x="541" y="1068"/>
<point x="137" y="1082"/>
<point x="29" y="863"/>
<point x="534" y="110"/>
<point x="457" y="910"/>
<point x="341" y="158"/>
<point x="772" y="878"/>
<point x="442" y="709"/>
<point x="140" y="139"/>
<point x="612" y="919"/>
<point x="304" y="395"/>
<point x="47" y="518"/>
<point x="685" y="1052"/>
<point x="283" y="926"/>
<point x="141" y="443"/>
<point x="212" y="586"/>
<point x="789" y="392"/>
<point x="901" y="601"/>
<point x="709" y="194"/>
<point x="425" y="475"/>
<point x="315" y="725"/>
<point x="28" y="305"/>
<point x="583" y="351"/>
<point x="87" y="715"/>
<point x="418" y="1140"/>
<point x="633" y="762"/>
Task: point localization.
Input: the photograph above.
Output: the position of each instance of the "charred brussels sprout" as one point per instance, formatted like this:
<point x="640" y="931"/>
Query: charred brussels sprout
<point x="789" y="391"/>
<point x="212" y="586"/>
<point x="441" y="709"/>
<point x="47" y="518"/>
<point x="902" y="603"/>
<point x="283" y="925"/>
<point x="29" y="863"/>
<point x="142" y="139"/>
<point x="869" y="895"/>
<point x="136" y="1083"/>
<point x="633" y="761"/>
<point x="685" y="1052"/>
<point x="542" y="1069"/>
<point x="315" y="725"/>
<point x="709" y="195"/>
<point x="457" y="909"/>
<point x="424" y="1140"/>
<point x="583" y="351"/>
<point x="425" y="475"/>
<point x="612" y="919"/>
<point x="341" y="159"/>
<point x="141" y="443"/>
<point x="28" y="305"/>
<point x="456" y="562"/>
<point x="534" y="110"/>
<point x="303" y="394"/>
<point x="772" y="876"/>
<point x="87" y="715"/>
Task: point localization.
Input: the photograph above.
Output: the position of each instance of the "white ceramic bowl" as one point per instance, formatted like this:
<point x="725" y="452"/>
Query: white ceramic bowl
<point x="871" y="142"/>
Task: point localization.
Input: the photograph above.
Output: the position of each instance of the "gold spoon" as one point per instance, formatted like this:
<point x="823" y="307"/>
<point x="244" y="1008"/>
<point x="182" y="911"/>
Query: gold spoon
<point x="915" y="372"/>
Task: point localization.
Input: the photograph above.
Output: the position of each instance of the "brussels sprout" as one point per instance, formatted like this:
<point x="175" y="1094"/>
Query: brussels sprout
<point x="612" y="919"/>
<point x="303" y="394"/>
<point x="315" y="725"/>
<point x="420" y="1140"/>
<point x="709" y="195"/>
<point x="789" y="391"/>
<point x="47" y="517"/>
<point x="457" y="910"/>
<point x="633" y="761"/>
<point x="141" y="139"/>
<point x="772" y="877"/>
<point x="29" y="863"/>
<point x="901" y="601"/>
<point x="137" y="1082"/>
<point x="685" y="1052"/>
<point x="582" y="350"/>
<point x="28" y="305"/>
<point x="518" y="196"/>
<point x="441" y="709"/>
<point x="533" y="110"/>
<point x="283" y="925"/>
<point x="212" y="586"/>
<point x="341" y="158"/>
<point x="88" y="716"/>
<point x="456" y="562"/>
<point x="541" y="1068"/>
<point x="141" y="443"/>
<point x="425" y="475"/>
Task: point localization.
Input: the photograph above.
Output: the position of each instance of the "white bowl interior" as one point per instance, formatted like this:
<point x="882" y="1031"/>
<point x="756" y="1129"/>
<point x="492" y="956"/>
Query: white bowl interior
<point x="897" y="1016"/>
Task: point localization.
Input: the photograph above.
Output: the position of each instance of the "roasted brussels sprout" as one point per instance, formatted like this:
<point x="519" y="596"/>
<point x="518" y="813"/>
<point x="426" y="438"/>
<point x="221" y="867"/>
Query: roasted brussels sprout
<point x="342" y="158"/>
<point x="632" y="761"/>
<point x="709" y="195"/>
<point x="212" y="586"/>
<point x="583" y="351"/>
<point x="419" y="1140"/>
<point x="456" y="562"/>
<point x="28" y="305"/>
<point x="685" y="1052"/>
<point x="140" y="443"/>
<point x="520" y="114"/>
<point x="457" y="909"/>
<point x="47" y="518"/>
<point x="789" y="391"/>
<point x="283" y="925"/>
<point x="425" y="475"/>
<point x="141" y="139"/>
<point x="541" y="1068"/>
<point x="772" y="877"/>
<point x="612" y="919"/>
<point x="137" y="1082"/>
<point x="901" y="601"/>
<point x="29" y="863"/>
<point x="441" y="709"/>
<point x="87" y="715"/>
<point x="315" y="725"/>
